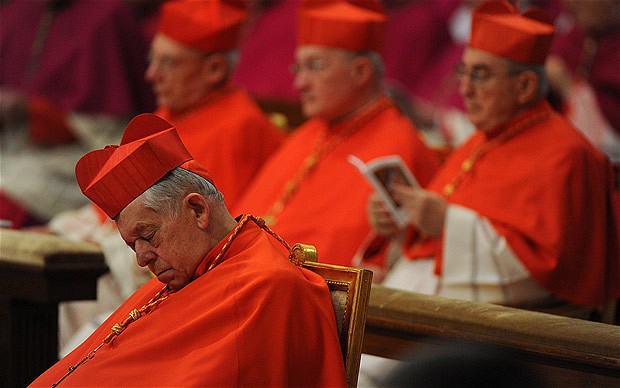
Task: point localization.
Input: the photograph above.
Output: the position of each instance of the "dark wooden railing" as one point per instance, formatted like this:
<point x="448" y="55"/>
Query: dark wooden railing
<point x="570" y="352"/>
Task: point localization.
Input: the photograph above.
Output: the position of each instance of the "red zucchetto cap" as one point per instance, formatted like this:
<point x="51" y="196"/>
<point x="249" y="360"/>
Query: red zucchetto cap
<point x="356" y="25"/>
<point x="209" y="26"/>
<point x="116" y="175"/>
<point x="498" y="28"/>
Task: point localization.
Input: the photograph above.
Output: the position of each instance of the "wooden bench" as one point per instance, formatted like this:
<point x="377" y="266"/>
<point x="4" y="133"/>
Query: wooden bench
<point x="37" y="272"/>
<point x="568" y="351"/>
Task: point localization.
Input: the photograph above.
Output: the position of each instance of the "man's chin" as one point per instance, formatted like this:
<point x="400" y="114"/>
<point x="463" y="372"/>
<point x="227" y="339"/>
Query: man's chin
<point x="308" y="110"/>
<point x="174" y="286"/>
<point x="473" y="118"/>
<point x="165" y="276"/>
<point x="173" y="283"/>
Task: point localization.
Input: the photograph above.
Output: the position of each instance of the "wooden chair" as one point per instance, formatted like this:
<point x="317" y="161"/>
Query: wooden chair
<point x="350" y="291"/>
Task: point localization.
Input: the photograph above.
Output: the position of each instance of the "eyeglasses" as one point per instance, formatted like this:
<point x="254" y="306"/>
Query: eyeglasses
<point x="479" y="75"/>
<point x="313" y="66"/>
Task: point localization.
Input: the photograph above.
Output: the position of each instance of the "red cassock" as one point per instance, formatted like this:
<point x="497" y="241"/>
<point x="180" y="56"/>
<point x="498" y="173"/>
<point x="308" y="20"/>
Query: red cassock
<point x="230" y="136"/>
<point x="328" y="207"/>
<point x="255" y="319"/>
<point x="550" y="194"/>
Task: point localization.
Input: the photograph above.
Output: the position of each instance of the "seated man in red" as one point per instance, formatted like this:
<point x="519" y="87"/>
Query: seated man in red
<point x="227" y="308"/>
<point x="515" y="214"/>
<point x="308" y="190"/>
<point x="524" y="212"/>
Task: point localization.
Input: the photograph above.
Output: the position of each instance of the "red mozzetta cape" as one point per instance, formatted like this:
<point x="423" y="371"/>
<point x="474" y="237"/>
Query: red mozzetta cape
<point x="253" y="320"/>
<point x="550" y="194"/>
<point x="230" y="136"/>
<point x="328" y="209"/>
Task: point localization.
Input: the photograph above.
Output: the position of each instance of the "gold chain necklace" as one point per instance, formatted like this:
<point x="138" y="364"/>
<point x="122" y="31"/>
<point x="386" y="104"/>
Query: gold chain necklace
<point x="322" y="147"/>
<point x="482" y="149"/>
<point x="295" y="256"/>
<point x="118" y="328"/>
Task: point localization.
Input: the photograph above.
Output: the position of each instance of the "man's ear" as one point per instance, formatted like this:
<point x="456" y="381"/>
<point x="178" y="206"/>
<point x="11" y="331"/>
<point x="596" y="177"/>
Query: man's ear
<point x="527" y="87"/>
<point x="362" y="69"/>
<point x="198" y="208"/>
<point x="216" y="68"/>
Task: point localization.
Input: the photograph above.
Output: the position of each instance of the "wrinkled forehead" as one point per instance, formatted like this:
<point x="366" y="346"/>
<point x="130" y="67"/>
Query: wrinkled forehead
<point x="130" y="213"/>
<point x="135" y="218"/>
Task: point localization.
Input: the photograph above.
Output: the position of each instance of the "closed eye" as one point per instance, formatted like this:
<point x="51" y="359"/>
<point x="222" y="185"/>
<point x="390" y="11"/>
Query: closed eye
<point x="146" y="238"/>
<point x="149" y="237"/>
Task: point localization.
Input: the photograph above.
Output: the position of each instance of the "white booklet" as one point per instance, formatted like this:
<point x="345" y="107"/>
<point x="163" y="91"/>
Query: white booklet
<point x="382" y="173"/>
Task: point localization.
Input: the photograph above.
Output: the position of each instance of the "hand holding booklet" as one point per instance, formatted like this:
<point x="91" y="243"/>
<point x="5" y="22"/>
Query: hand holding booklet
<point x="382" y="173"/>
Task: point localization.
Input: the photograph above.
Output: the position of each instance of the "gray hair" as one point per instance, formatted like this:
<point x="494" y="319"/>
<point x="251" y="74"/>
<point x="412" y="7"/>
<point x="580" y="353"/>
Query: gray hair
<point x="539" y="70"/>
<point x="374" y="58"/>
<point x="377" y="63"/>
<point x="232" y="56"/>
<point x="165" y="196"/>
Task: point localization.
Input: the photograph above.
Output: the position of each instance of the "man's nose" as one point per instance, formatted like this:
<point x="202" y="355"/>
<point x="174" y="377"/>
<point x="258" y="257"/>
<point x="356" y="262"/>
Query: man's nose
<point x="300" y="81"/>
<point x="151" y="71"/>
<point x="465" y="86"/>
<point x="143" y="254"/>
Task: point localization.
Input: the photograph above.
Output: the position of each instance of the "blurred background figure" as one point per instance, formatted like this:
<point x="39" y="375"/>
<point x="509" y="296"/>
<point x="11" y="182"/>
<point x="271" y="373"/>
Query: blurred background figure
<point x="517" y="212"/>
<point x="584" y="70"/>
<point x="307" y="190"/>
<point x="70" y="78"/>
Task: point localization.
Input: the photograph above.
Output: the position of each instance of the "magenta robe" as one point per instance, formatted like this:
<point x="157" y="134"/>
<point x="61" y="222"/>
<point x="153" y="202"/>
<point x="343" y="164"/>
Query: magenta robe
<point x="93" y="59"/>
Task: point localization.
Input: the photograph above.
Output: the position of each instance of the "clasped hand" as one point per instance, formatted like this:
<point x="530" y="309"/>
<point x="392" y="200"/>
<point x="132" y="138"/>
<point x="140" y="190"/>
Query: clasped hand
<point x="426" y="211"/>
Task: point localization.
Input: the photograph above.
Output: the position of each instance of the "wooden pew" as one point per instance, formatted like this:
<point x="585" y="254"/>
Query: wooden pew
<point x="568" y="351"/>
<point x="37" y="272"/>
